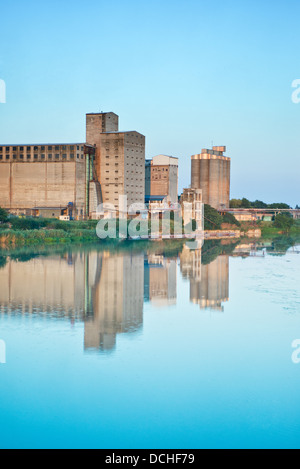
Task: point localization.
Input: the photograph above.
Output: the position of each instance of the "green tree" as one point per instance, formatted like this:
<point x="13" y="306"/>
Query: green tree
<point x="235" y="203"/>
<point x="212" y="219"/>
<point x="3" y="215"/>
<point x="284" y="221"/>
<point x="230" y="219"/>
<point x="246" y="203"/>
<point x="279" y="205"/>
<point x="259" y="204"/>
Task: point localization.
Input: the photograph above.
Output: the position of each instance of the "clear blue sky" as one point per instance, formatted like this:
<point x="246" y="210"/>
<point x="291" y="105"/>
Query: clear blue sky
<point x="185" y="74"/>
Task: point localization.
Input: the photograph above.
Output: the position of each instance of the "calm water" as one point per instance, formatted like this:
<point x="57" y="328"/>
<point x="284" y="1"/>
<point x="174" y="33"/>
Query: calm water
<point x="150" y="348"/>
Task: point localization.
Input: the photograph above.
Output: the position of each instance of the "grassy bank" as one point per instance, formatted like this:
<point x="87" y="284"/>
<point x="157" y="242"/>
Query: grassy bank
<point x="268" y="229"/>
<point x="35" y="237"/>
<point x="27" y="232"/>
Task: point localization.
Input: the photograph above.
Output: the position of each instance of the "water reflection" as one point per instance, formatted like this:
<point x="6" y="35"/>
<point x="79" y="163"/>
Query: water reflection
<point x="160" y="280"/>
<point x="115" y="291"/>
<point x="107" y="289"/>
<point x="209" y="283"/>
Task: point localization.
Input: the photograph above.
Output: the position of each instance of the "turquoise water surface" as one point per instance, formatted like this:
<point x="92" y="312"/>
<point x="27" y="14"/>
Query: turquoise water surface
<point x="150" y="348"/>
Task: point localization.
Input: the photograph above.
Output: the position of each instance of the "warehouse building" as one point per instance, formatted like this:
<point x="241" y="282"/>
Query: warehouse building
<point x="71" y="180"/>
<point x="161" y="178"/>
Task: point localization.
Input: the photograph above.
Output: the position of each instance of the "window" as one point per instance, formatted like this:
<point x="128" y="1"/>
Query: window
<point x="21" y="157"/>
<point x="35" y="148"/>
<point x="50" y="148"/>
<point x="72" y="156"/>
<point x="14" y="148"/>
<point x="1" y="157"/>
<point x="28" y="149"/>
<point x="0" y="149"/>
<point x="64" y="156"/>
<point x="28" y="157"/>
<point x="43" y="156"/>
<point x="7" y="157"/>
<point x="43" y="148"/>
<point x="57" y="147"/>
<point x="21" y="148"/>
<point x="50" y="156"/>
<point x="7" y="149"/>
<point x="35" y="157"/>
<point x="57" y="156"/>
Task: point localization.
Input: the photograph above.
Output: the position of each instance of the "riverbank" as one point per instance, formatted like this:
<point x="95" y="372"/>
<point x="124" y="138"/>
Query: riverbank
<point x="49" y="232"/>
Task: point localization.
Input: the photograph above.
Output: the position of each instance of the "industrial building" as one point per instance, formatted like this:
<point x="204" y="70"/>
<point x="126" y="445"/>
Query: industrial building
<point x="211" y="173"/>
<point x="119" y="159"/>
<point x="72" y="179"/>
<point x="161" y="179"/>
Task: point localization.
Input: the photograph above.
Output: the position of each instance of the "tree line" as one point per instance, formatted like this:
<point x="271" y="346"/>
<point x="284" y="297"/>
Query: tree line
<point x="245" y="203"/>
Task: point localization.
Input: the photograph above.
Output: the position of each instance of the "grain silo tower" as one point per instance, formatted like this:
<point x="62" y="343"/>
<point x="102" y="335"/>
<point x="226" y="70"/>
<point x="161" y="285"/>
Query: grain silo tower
<point x="211" y="174"/>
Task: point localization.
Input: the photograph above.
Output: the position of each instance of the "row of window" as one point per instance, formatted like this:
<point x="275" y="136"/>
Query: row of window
<point x="43" y="148"/>
<point x="42" y="156"/>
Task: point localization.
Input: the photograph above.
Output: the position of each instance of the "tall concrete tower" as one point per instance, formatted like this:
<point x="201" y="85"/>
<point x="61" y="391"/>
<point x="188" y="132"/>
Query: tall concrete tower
<point x="120" y="159"/>
<point x="211" y="174"/>
<point x="96" y="125"/>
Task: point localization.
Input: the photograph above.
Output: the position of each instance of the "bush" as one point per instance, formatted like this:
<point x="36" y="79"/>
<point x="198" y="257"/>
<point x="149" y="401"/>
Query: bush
<point x="3" y="215"/>
<point x="230" y="219"/>
<point x="25" y="224"/>
<point x="284" y="221"/>
<point x="212" y="219"/>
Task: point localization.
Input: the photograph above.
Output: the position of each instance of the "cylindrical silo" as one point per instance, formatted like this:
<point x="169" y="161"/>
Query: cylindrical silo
<point x="195" y="176"/>
<point x="204" y="178"/>
<point x="214" y="177"/>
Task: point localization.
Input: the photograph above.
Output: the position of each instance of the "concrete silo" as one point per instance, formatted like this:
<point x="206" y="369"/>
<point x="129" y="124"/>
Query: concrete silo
<point x="211" y="174"/>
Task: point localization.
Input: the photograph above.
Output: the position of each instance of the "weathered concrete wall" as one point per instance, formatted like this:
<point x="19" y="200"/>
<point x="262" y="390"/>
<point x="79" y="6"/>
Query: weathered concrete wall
<point x="134" y="167"/>
<point x="42" y="184"/>
<point x="120" y="159"/>
<point x="96" y="125"/>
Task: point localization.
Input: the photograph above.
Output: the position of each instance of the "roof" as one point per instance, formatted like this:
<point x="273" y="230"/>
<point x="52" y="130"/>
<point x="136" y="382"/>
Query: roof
<point x="154" y="198"/>
<point x="164" y="160"/>
<point x="50" y="208"/>
<point x="39" y="144"/>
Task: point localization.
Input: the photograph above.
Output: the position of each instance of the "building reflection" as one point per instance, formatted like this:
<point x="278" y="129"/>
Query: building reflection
<point x="115" y="298"/>
<point x="160" y="280"/>
<point x="103" y="289"/>
<point x="209" y="283"/>
<point x="106" y="289"/>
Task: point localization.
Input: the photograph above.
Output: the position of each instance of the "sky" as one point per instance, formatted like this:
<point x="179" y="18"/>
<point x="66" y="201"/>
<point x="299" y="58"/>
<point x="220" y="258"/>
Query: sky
<point x="187" y="75"/>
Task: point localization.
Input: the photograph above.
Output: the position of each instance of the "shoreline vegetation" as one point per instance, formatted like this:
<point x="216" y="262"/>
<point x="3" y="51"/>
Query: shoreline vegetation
<point x="15" y="232"/>
<point x="210" y="250"/>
